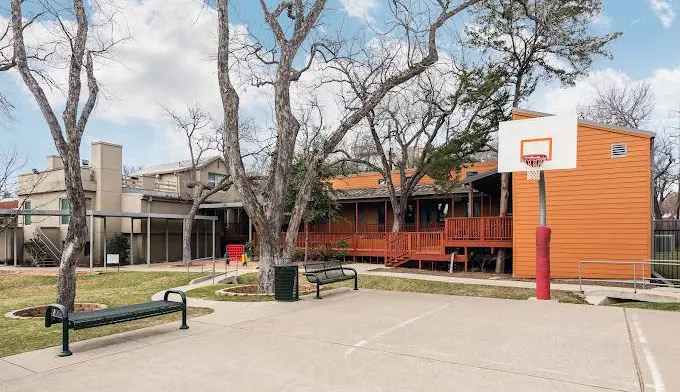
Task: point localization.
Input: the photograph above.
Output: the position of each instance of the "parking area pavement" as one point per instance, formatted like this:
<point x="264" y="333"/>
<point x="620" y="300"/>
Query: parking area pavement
<point x="373" y="341"/>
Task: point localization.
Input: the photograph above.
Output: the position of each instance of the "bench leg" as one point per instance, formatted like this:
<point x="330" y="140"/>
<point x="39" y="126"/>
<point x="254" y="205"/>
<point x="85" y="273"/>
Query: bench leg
<point x="184" y="319"/>
<point x="65" y="352"/>
<point x="356" y="282"/>
<point x="317" y="292"/>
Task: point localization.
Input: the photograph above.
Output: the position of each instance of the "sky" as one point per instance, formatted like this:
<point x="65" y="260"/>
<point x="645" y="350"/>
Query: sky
<point x="168" y="60"/>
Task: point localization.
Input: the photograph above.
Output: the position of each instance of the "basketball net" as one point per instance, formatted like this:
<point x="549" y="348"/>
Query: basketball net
<point x="533" y="163"/>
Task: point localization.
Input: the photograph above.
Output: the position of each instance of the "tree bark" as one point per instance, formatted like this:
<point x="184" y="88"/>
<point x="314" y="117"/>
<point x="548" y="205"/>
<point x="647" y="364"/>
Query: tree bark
<point x="503" y="211"/>
<point x="66" y="140"/>
<point x="76" y="234"/>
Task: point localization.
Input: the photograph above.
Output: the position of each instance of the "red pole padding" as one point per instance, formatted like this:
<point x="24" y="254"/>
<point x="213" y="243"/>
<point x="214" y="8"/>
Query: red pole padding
<point x="543" y="262"/>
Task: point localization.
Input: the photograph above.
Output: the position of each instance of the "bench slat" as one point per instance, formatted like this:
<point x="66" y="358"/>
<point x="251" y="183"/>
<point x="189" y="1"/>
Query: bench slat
<point x="93" y="318"/>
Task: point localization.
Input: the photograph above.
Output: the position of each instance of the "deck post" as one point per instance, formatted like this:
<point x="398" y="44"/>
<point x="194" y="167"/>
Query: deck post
<point x="385" y="223"/>
<point x="356" y="217"/>
<point x="417" y="214"/>
<point x="481" y="204"/>
<point x="471" y="202"/>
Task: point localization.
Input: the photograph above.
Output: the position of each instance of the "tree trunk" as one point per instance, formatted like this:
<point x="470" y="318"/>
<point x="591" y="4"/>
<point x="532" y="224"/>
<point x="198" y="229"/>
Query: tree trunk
<point x="307" y="242"/>
<point x="270" y="255"/>
<point x="76" y="233"/>
<point x="187" y="228"/>
<point x="398" y="219"/>
<point x="657" y="207"/>
<point x="504" y="204"/>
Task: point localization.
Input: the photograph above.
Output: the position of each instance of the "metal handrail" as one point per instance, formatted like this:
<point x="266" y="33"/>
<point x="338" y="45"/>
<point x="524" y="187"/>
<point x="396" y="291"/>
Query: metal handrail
<point x="634" y="264"/>
<point x="51" y="247"/>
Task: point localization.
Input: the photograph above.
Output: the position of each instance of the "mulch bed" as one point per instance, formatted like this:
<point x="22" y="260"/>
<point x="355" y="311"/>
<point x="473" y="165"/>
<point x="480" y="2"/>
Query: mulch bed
<point x="39" y="311"/>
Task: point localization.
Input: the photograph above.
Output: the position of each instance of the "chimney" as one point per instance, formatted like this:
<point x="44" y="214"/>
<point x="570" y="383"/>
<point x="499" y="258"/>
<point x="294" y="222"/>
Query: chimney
<point x="54" y="162"/>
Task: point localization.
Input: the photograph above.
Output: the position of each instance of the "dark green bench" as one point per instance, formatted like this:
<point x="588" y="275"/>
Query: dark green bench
<point x="56" y="313"/>
<point x="325" y="272"/>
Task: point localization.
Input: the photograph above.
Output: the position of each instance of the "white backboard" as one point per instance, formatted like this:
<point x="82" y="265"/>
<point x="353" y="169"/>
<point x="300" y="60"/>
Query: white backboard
<point x="552" y="136"/>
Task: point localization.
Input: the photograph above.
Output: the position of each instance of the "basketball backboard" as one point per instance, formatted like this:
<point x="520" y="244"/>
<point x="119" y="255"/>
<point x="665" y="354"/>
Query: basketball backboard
<point x="551" y="136"/>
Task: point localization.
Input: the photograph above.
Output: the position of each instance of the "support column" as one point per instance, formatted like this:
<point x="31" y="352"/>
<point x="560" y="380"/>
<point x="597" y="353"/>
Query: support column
<point x="167" y="243"/>
<point x="198" y="240"/>
<point x="205" y="238"/>
<point x="14" y="234"/>
<point x="148" y="240"/>
<point x="250" y="229"/>
<point x="471" y="203"/>
<point x="132" y="241"/>
<point x="91" y="240"/>
<point x="213" y="240"/>
<point x="417" y="214"/>
<point x="453" y="206"/>
<point x="105" y="250"/>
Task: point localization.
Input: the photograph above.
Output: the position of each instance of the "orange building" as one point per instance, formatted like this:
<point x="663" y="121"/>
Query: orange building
<point x="600" y="211"/>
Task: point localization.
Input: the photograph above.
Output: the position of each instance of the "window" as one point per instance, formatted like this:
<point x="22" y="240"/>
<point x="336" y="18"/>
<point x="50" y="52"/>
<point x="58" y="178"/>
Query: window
<point x="471" y="173"/>
<point x="410" y="216"/>
<point x="382" y="181"/>
<point x="381" y="215"/>
<point x="216" y="177"/>
<point x="28" y="219"/>
<point x="619" y="150"/>
<point x="65" y="206"/>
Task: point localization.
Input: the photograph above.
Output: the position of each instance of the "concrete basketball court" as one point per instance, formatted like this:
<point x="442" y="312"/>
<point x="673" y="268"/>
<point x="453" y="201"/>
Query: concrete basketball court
<point x="373" y="341"/>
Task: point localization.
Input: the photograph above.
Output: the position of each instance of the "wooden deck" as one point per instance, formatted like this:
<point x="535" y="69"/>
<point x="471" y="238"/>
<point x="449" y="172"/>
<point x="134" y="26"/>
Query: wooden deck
<point x="431" y="245"/>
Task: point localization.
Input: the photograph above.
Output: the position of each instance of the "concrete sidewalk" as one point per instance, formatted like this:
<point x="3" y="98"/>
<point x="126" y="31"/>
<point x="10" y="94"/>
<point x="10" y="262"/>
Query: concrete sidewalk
<point x="373" y="341"/>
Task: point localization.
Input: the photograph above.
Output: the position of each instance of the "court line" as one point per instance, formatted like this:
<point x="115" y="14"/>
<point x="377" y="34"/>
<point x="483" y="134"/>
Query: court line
<point x="393" y="328"/>
<point x="659" y="385"/>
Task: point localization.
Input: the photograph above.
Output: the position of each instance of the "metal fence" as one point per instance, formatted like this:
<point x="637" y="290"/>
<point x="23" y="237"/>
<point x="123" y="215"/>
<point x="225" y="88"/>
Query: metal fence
<point x="636" y="274"/>
<point x="666" y="246"/>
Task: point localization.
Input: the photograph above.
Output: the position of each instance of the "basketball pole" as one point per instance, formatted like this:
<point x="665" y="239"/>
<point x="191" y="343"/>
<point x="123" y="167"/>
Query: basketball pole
<point x="542" y="245"/>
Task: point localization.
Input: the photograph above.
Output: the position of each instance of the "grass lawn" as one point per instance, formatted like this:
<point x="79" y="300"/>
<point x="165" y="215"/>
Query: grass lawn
<point x="112" y="289"/>
<point x="468" y="290"/>
<point x="670" y="306"/>
<point x="396" y="284"/>
<point x="208" y="292"/>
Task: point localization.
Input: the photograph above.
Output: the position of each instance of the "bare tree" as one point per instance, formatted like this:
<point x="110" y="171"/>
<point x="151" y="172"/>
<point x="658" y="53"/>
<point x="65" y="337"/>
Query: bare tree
<point x="632" y="105"/>
<point x="67" y="138"/>
<point x="665" y="174"/>
<point x="266" y="211"/>
<point x="197" y="127"/>
<point x="425" y="129"/>
<point x="537" y="41"/>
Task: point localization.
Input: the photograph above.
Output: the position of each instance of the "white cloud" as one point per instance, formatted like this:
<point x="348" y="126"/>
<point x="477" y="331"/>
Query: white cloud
<point x="602" y="20"/>
<point x="664" y="84"/>
<point x="359" y="8"/>
<point x="664" y="10"/>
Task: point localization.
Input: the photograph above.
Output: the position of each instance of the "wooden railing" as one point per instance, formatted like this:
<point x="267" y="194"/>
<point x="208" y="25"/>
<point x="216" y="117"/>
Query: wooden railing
<point x="483" y="228"/>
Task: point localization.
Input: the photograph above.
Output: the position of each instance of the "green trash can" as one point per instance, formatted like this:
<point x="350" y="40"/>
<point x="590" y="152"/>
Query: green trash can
<point x="286" y="282"/>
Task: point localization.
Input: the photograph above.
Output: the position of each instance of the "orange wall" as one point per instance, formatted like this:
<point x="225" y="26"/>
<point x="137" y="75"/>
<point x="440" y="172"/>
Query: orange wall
<point x="370" y="180"/>
<point x="599" y="211"/>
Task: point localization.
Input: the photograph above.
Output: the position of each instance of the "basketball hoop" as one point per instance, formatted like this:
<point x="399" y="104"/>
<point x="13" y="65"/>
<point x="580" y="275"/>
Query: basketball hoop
<point x="533" y="163"/>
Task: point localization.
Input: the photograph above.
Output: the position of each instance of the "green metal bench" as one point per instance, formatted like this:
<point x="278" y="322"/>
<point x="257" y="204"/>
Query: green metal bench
<point x="328" y="272"/>
<point x="56" y="313"/>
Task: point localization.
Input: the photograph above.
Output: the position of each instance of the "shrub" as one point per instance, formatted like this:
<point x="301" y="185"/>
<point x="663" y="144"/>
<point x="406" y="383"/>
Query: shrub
<point x="119" y="245"/>
<point x="35" y="251"/>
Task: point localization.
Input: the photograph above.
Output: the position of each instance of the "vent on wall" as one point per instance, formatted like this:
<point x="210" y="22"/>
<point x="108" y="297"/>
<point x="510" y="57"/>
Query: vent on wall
<point x="619" y="150"/>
